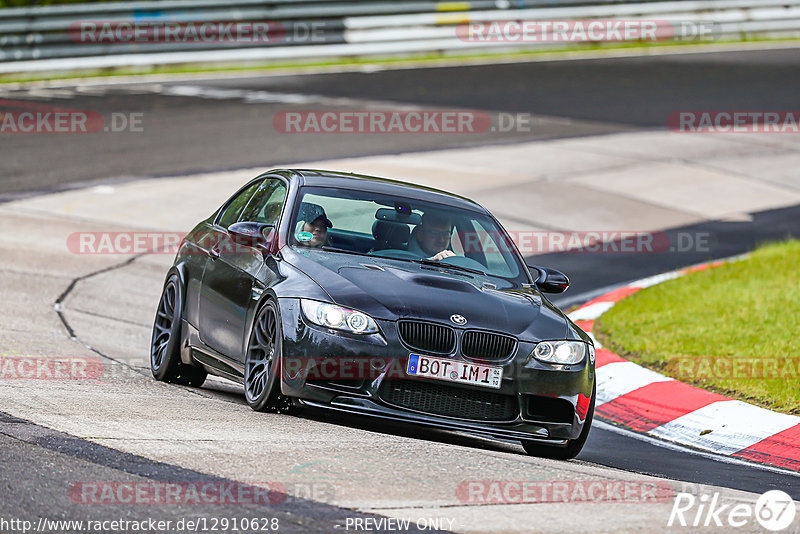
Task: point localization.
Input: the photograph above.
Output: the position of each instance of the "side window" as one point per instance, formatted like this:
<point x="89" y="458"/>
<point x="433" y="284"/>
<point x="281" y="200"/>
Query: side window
<point x="234" y="209"/>
<point x="498" y="259"/>
<point x="266" y="205"/>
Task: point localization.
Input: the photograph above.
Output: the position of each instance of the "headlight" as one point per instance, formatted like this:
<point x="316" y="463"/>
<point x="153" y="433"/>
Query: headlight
<point x="332" y="316"/>
<point x="561" y="352"/>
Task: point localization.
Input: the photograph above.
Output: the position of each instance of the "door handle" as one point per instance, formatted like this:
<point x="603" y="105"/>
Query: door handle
<point x="214" y="253"/>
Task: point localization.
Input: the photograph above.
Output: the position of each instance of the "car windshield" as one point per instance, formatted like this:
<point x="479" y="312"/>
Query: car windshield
<point x="463" y="241"/>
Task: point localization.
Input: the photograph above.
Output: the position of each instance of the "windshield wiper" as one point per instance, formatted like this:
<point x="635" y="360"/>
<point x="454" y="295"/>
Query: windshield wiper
<point x="343" y="251"/>
<point x="438" y="264"/>
<point x="423" y="261"/>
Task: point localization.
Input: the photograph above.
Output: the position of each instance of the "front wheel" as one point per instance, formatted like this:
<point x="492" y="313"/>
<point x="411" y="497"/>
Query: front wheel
<point x="573" y="447"/>
<point x="262" y="362"/>
<point x="165" y="344"/>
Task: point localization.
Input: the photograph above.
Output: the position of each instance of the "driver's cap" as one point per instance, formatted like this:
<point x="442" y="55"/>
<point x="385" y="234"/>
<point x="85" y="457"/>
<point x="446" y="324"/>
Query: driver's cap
<point x="311" y="212"/>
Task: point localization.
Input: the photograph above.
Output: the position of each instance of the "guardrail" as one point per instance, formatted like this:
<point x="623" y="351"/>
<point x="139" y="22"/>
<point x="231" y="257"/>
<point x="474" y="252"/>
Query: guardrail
<point x="107" y="35"/>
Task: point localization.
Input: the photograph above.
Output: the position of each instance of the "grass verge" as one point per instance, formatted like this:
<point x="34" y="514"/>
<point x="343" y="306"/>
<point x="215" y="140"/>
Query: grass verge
<point x="732" y="329"/>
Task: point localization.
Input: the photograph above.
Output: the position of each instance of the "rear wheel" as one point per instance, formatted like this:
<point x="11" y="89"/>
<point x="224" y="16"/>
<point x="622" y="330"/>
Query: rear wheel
<point x="262" y="363"/>
<point x="165" y="345"/>
<point x="573" y="447"/>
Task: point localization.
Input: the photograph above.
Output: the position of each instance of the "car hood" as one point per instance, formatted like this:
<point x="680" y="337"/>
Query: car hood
<point x="392" y="289"/>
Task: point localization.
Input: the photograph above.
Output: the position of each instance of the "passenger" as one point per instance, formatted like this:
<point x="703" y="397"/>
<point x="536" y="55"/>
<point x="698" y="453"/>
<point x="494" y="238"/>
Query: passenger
<point x="314" y="231"/>
<point x="431" y="238"/>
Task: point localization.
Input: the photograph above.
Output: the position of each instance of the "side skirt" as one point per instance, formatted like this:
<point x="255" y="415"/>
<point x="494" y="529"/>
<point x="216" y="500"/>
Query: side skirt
<point x="195" y="352"/>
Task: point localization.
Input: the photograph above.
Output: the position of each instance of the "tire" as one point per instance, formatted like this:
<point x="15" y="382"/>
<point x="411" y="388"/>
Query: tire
<point x="573" y="447"/>
<point x="262" y="362"/>
<point x="165" y="344"/>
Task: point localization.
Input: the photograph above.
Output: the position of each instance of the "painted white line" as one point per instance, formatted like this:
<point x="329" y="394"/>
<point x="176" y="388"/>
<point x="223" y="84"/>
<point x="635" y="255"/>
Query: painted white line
<point x="725" y="427"/>
<point x="591" y="312"/>
<point x="617" y="379"/>
<point x="683" y="449"/>
<point x="657" y="279"/>
<point x="260" y="97"/>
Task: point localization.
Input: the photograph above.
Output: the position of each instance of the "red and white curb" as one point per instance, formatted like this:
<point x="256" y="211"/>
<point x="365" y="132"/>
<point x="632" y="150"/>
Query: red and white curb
<point x="650" y="403"/>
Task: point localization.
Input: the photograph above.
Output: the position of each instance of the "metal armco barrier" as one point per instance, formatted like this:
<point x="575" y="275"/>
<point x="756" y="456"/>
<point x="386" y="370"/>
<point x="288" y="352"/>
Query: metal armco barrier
<point x="108" y="35"/>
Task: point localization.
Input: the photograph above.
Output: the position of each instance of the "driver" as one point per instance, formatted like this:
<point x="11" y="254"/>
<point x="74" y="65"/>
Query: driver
<point x="431" y="238"/>
<point x="314" y="231"/>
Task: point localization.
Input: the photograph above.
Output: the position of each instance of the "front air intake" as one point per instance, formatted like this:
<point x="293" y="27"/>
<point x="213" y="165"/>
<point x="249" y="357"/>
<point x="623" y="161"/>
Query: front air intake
<point x="427" y="337"/>
<point x="487" y="345"/>
<point x="440" y="399"/>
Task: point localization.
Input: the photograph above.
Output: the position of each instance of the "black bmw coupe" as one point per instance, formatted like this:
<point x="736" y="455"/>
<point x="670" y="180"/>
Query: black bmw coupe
<point x="376" y="297"/>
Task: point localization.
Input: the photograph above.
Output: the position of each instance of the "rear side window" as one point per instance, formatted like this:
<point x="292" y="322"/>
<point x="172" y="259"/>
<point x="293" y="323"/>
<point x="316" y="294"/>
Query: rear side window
<point x="234" y="209"/>
<point x="267" y="204"/>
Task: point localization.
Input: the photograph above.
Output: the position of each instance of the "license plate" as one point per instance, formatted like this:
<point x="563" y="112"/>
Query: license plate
<point x="454" y="371"/>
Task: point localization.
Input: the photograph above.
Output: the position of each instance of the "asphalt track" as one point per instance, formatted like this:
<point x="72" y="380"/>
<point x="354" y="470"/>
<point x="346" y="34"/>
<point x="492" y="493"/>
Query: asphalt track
<point x="186" y="134"/>
<point x="42" y="462"/>
<point x="217" y="131"/>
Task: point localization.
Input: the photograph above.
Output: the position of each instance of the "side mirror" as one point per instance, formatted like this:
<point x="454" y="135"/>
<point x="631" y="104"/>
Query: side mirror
<point x="549" y="280"/>
<point x="250" y="234"/>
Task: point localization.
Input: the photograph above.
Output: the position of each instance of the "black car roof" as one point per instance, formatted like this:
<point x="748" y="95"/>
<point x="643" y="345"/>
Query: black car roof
<point x="323" y="178"/>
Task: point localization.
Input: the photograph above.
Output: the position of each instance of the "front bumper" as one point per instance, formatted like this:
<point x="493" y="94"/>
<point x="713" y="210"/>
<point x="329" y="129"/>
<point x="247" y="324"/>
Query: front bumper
<point x="355" y="373"/>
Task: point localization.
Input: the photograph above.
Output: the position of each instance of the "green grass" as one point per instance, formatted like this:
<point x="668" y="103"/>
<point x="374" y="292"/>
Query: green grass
<point x="403" y="60"/>
<point x="733" y="329"/>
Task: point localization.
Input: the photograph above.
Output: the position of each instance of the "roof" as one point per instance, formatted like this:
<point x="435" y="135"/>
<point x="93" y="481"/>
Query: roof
<point x="323" y="178"/>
